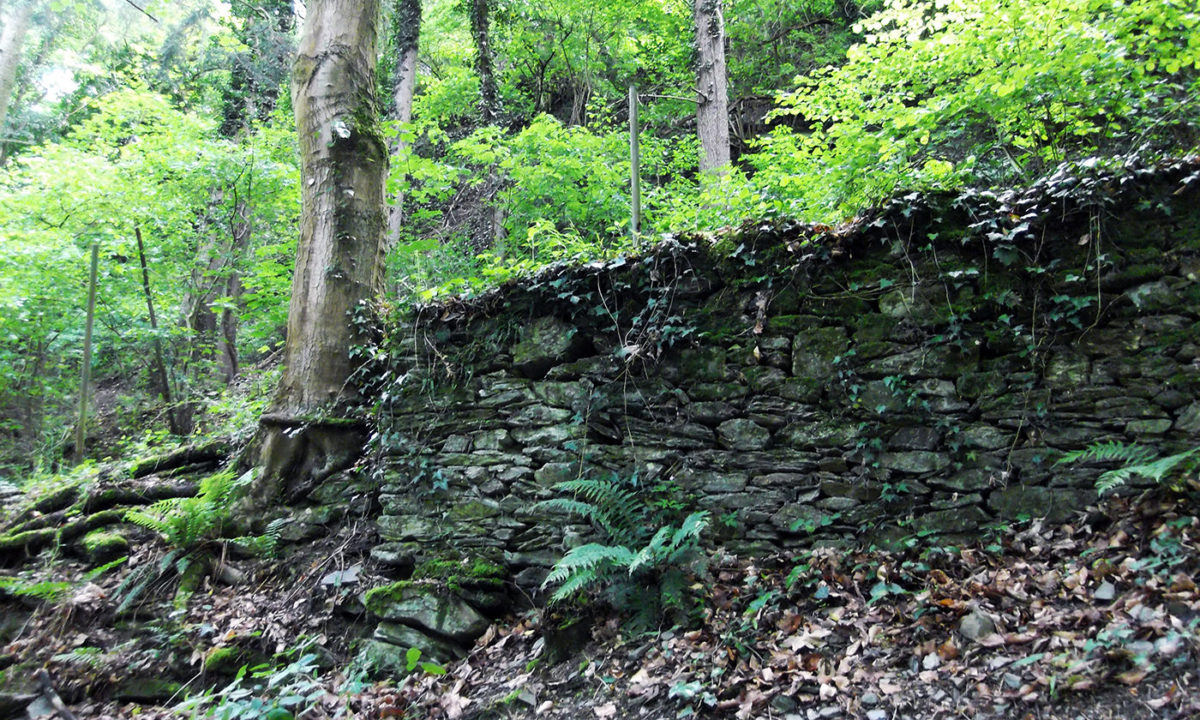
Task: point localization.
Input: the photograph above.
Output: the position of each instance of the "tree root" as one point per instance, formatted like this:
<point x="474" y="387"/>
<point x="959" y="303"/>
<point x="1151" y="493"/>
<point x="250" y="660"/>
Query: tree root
<point x="212" y="452"/>
<point x="32" y="541"/>
<point x="97" y="499"/>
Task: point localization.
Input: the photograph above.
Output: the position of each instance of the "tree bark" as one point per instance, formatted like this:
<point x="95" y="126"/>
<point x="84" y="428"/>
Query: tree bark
<point x="712" y="112"/>
<point x="480" y="32"/>
<point x="12" y="39"/>
<point x="339" y="257"/>
<point x="406" y="32"/>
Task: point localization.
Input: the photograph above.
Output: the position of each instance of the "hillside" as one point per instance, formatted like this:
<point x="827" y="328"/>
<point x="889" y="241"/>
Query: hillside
<point x="879" y="585"/>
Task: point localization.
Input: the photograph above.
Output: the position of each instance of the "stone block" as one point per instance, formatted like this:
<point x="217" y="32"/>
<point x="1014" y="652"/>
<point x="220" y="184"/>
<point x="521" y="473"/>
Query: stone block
<point x="544" y="343"/>
<point x="953" y="521"/>
<point x="742" y="434"/>
<point x="428" y="607"/>
<point x="814" y="351"/>
<point x="915" y="461"/>
<point x="915" y="437"/>
<point x="1054" y="504"/>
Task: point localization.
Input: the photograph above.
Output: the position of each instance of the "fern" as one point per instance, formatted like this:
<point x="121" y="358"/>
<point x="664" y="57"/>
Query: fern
<point x="190" y="522"/>
<point x="1107" y="452"/>
<point x="1139" y="461"/>
<point x="141" y="578"/>
<point x="586" y="566"/>
<point x="612" y="506"/>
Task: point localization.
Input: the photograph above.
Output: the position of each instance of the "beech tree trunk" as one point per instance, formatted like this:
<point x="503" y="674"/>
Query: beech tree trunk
<point x="302" y="439"/>
<point x="712" y="111"/>
<point x="406" y="32"/>
<point x="12" y="39"/>
<point x="480" y="32"/>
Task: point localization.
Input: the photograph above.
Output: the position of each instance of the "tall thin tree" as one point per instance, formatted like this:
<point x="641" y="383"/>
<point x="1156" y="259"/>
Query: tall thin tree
<point x="489" y="106"/>
<point x="15" y="27"/>
<point x="712" y="112"/>
<point x="406" y="33"/>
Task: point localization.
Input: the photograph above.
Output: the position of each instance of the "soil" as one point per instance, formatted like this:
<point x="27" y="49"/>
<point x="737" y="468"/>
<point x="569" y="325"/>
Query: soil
<point x="1092" y="619"/>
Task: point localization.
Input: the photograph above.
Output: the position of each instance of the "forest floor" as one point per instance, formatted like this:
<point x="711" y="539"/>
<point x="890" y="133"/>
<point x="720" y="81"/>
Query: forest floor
<point x="1097" y="618"/>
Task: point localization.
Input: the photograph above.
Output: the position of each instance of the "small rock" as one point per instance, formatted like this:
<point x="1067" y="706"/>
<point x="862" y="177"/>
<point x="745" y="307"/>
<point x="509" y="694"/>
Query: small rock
<point x="13" y="704"/>
<point x="976" y="626"/>
<point x="931" y="661"/>
<point x="870" y="699"/>
<point x="231" y="575"/>
<point x="348" y="576"/>
<point x="877" y="714"/>
<point x="1012" y="681"/>
<point x="1168" y="646"/>
<point x="1107" y="591"/>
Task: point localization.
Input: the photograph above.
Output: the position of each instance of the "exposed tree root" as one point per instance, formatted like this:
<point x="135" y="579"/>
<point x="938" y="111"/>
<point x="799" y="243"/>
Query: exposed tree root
<point x="297" y="455"/>
<point x="32" y="541"/>
<point x="212" y="452"/>
<point x="97" y="499"/>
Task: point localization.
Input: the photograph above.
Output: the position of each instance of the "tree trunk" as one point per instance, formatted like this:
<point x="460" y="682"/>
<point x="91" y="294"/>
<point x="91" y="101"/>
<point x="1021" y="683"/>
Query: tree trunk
<point x="488" y="103"/>
<point x="227" y="338"/>
<point x="339" y="257"/>
<point x="712" y="112"/>
<point x="265" y="29"/>
<point x="406" y="32"/>
<point x="12" y="39"/>
<point x="160" y="366"/>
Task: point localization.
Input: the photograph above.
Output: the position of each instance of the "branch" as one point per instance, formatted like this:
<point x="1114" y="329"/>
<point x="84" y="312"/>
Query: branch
<point x="670" y="97"/>
<point x="134" y="5"/>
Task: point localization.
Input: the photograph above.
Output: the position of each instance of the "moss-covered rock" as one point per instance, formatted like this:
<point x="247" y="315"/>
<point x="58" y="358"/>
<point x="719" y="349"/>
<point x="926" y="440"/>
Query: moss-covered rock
<point x="742" y="434"/>
<point x="146" y="690"/>
<point x="101" y="546"/>
<point x="224" y="660"/>
<point x="545" y="343"/>
<point x="427" y="607"/>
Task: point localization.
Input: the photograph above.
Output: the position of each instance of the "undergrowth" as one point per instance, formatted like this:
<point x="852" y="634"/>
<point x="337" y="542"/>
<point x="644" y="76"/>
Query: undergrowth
<point x="646" y="564"/>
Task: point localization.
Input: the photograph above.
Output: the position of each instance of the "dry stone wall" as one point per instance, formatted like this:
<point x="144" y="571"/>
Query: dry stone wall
<point x="917" y="373"/>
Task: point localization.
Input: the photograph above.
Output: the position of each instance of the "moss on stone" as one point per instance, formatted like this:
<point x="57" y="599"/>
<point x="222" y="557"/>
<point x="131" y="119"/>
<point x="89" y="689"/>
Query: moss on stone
<point x="456" y="574"/>
<point x="223" y="660"/>
<point x="104" y="545"/>
<point x="377" y="599"/>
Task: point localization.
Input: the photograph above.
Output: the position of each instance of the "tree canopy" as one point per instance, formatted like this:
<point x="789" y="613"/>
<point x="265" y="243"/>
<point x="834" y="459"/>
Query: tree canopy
<point x="174" y="119"/>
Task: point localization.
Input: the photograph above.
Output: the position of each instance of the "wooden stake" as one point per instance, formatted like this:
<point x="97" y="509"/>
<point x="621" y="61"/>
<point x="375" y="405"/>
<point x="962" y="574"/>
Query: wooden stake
<point x="86" y="371"/>
<point x="635" y="183"/>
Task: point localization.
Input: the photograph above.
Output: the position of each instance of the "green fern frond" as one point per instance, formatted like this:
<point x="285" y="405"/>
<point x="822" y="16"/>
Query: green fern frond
<point x="589" y="557"/>
<point x="1157" y="470"/>
<point x="1139" y="461"/>
<point x="688" y="534"/>
<point x="644" y="580"/>
<point x="580" y="581"/>
<point x="1110" y="451"/>
<point x="188" y="522"/>
<point x="569" y="506"/>
<point x="654" y="552"/>
<point x="615" y="507"/>
<point x="157" y="516"/>
<point x="140" y="579"/>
